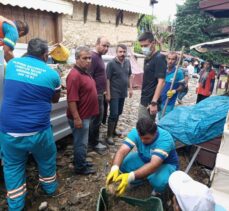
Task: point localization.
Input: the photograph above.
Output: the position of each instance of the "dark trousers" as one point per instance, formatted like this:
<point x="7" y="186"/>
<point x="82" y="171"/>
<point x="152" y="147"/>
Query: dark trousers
<point x="200" y="97"/>
<point x="105" y="104"/>
<point x="96" y="122"/>
<point x="182" y="93"/>
<point x="116" y="108"/>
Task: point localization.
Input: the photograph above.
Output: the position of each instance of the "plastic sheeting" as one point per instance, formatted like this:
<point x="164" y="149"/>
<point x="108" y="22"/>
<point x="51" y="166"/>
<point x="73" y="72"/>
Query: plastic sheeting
<point x="198" y="123"/>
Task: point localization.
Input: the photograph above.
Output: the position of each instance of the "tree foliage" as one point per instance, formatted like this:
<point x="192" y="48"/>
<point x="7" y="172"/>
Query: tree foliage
<point x="160" y="32"/>
<point x="146" y="23"/>
<point x="190" y="27"/>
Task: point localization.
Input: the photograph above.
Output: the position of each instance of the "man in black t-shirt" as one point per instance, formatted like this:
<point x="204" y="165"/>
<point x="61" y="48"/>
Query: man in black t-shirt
<point x="153" y="78"/>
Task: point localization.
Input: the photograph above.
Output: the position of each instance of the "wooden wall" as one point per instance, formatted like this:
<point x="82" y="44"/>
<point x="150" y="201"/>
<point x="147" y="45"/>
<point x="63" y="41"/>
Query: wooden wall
<point x="41" y="24"/>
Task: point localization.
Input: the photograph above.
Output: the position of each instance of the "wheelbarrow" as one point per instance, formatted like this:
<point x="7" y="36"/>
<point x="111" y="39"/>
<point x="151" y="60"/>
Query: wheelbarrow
<point x="149" y="204"/>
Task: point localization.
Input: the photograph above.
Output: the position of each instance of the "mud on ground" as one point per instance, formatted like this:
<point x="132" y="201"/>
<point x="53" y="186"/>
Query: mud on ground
<point x="80" y="193"/>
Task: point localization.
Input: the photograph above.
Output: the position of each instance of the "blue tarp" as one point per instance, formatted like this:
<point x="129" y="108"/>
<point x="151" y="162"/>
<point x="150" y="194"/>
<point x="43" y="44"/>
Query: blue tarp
<point x="198" y="123"/>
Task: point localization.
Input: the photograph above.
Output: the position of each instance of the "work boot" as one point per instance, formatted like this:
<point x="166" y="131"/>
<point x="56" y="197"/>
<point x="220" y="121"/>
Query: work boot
<point x="99" y="147"/>
<point x="116" y="133"/>
<point x="85" y="171"/>
<point x="110" y="131"/>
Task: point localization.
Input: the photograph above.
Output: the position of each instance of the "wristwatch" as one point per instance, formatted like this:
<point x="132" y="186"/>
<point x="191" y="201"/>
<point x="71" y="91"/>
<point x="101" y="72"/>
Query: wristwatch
<point x="153" y="103"/>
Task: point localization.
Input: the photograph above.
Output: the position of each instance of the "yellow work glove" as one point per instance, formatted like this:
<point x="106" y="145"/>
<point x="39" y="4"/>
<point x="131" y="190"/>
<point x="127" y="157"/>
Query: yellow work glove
<point x="170" y="93"/>
<point x="125" y="179"/>
<point x="112" y="176"/>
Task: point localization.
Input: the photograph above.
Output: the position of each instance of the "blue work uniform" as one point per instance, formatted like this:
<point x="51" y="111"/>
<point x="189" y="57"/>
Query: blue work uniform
<point x="168" y="81"/>
<point x="162" y="146"/>
<point x="25" y="127"/>
<point x="10" y="35"/>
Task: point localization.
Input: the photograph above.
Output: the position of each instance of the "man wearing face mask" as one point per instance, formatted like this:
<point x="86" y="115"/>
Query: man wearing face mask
<point x="30" y="87"/>
<point x="153" y="77"/>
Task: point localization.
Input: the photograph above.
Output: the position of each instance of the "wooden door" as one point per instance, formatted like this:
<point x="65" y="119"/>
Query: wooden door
<point x="41" y="24"/>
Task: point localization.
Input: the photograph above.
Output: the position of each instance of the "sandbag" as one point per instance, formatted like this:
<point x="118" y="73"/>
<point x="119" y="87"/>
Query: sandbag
<point x="198" y="123"/>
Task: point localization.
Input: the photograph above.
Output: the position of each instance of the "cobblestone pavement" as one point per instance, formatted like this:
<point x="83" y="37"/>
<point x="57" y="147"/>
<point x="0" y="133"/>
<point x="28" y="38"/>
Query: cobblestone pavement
<point x="81" y="192"/>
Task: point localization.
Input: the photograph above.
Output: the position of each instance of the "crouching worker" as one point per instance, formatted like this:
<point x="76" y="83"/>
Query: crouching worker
<point x="30" y="87"/>
<point x="156" y="158"/>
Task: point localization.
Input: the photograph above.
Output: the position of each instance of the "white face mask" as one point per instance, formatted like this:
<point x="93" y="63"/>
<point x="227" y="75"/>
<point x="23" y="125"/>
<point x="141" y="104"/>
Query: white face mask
<point x="146" y="51"/>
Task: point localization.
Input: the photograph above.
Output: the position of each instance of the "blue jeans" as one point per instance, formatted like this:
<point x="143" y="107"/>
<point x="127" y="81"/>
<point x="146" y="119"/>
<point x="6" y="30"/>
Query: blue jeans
<point x="158" y="180"/>
<point x="80" y="142"/>
<point x="116" y="108"/>
<point x="15" y="151"/>
<point x="182" y="94"/>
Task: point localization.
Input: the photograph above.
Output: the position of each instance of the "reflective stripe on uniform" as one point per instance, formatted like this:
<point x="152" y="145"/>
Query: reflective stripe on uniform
<point x="9" y="41"/>
<point x="16" y="192"/>
<point x="164" y="153"/>
<point x="129" y="141"/>
<point x="47" y="179"/>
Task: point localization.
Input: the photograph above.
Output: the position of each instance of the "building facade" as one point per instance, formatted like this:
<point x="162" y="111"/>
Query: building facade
<point x="78" y="21"/>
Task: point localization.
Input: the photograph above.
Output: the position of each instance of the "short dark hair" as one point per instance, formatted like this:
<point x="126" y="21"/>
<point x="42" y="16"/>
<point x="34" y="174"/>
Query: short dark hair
<point x="173" y="53"/>
<point x="37" y="47"/>
<point x="146" y="36"/>
<point x="22" y="26"/>
<point x="121" y="46"/>
<point x="146" y="126"/>
<point x="210" y="63"/>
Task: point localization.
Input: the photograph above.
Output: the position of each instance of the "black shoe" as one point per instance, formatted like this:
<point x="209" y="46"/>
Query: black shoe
<point x="85" y="171"/>
<point x="110" y="141"/>
<point x="89" y="164"/>
<point x="117" y="133"/>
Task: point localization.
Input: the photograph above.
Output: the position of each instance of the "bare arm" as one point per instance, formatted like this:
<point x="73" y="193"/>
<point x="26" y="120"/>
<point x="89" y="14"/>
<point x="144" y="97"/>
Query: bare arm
<point x="186" y="79"/>
<point x="74" y="111"/>
<point x="8" y="53"/>
<point x="108" y="93"/>
<point x="160" y="85"/>
<point x="130" y="84"/>
<point x="148" y="168"/>
<point x="121" y="154"/>
<point x="56" y="97"/>
<point x="154" y="108"/>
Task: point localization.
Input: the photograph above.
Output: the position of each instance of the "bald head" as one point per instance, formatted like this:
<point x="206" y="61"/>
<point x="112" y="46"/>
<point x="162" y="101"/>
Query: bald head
<point x="102" y="45"/>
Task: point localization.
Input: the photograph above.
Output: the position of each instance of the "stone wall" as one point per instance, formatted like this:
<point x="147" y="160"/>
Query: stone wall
<point x="80" y="33"/>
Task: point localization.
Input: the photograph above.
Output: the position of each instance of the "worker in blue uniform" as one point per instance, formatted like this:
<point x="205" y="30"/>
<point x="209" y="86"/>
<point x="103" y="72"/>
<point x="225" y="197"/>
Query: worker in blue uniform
<point x="177" y="86"/>
<point x="10" y="31"/>
<point x="30" y="87"/>
<point x="155" y="158"/>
